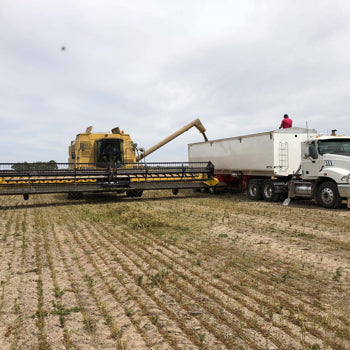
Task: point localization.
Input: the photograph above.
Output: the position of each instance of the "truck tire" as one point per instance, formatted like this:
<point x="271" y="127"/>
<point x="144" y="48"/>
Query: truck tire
<point x="254" y="190"/>
<point x="282" y="196"/>
<point x="328" y="195"/>
<point x="269" y="191"/>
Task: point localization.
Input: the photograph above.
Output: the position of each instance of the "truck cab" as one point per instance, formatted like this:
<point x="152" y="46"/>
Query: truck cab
<point x="325" y="162"/>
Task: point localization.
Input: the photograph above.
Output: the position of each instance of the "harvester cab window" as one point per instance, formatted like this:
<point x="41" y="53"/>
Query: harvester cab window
<point x="110" y="152"/>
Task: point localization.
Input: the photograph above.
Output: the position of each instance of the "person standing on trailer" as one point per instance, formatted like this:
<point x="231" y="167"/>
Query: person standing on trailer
<point x="286" y="122"/>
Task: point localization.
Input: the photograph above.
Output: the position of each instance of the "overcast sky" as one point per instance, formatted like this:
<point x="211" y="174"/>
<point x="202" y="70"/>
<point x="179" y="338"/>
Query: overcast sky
<point x="151" y="67"/>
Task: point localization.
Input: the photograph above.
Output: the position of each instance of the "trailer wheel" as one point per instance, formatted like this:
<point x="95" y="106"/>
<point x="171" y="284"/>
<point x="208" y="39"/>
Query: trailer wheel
<point x="269" y="191"/>
<point x="328" y="195"/>
<point x="253" y="190"/>
<point x="175" y="191"/>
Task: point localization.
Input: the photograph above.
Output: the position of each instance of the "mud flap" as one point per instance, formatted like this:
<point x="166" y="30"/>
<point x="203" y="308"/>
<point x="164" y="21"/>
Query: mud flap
<point x="286" y="201"/>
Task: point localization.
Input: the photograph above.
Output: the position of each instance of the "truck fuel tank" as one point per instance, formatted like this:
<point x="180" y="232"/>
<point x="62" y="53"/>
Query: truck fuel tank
<point x="299" y="189"/>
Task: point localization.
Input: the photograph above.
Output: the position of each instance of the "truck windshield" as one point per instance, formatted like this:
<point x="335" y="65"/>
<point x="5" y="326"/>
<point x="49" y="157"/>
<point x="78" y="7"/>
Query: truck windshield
<point x="334" y="146"/>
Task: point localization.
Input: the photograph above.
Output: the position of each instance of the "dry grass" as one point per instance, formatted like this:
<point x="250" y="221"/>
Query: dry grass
<point x="161" y="272"/>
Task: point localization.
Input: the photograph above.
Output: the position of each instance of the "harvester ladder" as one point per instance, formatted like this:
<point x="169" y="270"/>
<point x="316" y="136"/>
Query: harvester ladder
<point x="283" y="156"/>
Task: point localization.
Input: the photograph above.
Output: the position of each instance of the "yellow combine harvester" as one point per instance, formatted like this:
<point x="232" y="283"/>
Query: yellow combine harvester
<point x="106" y="162"/>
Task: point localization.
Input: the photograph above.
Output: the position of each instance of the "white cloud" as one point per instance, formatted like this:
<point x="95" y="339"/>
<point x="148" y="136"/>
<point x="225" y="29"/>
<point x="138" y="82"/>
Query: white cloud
<point x="152" y="67"/>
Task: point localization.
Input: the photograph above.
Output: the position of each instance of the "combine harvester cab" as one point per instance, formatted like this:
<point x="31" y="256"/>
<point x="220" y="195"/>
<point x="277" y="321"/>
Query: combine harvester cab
<point x="98" y="150"/>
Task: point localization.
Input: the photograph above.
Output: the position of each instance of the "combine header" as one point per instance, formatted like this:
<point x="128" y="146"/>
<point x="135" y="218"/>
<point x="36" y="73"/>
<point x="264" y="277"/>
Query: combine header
<point x="106" y="163"/>
<point x="132" y="178"/>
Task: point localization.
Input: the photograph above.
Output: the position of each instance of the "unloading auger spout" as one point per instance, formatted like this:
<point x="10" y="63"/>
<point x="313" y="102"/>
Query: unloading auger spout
<point x="197" y="123"/>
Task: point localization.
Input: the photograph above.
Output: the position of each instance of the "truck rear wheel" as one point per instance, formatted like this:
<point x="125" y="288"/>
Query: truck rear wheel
<point x="328" y="195"/>
<point x="269" y="191"/>
<point x="254" y="190"/>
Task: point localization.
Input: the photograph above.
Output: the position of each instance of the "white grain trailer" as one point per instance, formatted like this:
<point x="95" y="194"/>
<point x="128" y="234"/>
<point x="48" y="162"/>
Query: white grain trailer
<point x="292" y="162"/>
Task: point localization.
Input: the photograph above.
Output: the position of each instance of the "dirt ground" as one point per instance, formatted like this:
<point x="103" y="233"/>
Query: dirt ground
<point x="190" y="271"/>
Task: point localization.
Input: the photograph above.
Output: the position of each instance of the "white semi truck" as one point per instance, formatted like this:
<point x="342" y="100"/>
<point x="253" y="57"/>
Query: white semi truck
<point x="294" y="163"/>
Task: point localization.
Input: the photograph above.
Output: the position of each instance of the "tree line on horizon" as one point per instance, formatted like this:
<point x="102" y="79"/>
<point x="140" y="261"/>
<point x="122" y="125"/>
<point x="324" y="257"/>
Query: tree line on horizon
<point x="50" y="165"/>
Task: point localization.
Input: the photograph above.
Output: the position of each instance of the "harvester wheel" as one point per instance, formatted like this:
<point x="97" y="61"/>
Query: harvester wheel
<point x="254" y="190"/>
<point x="74" y="195"/>
<point x="175" y="191"/>
<point x="134" y="193"/>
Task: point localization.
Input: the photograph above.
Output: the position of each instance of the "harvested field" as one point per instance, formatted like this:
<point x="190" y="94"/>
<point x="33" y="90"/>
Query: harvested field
<point x="162" y="272"/>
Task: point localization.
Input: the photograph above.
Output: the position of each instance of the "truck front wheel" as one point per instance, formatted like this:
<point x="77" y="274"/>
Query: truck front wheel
<point x="269" y="191"/>
<point x="253" y="190"/>
<point x="328" y="195"/>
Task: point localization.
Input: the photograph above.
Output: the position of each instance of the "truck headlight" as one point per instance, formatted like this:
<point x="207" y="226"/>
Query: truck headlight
<point x="346" y="178"/>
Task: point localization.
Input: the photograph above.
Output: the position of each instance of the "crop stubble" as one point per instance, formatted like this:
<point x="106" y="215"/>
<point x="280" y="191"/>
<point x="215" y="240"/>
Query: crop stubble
<point x="187" y="272"/>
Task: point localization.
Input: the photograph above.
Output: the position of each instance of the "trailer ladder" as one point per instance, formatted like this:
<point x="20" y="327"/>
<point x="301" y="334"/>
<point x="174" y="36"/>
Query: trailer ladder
<point x="283" y="156"/>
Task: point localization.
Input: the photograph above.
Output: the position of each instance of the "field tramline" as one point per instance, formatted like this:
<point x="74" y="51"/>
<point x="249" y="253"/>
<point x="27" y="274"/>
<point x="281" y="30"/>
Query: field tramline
<point x="187" y="272"/>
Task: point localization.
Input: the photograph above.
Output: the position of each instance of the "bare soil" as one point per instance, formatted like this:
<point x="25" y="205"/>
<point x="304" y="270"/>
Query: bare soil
<point x="191" y="271"/>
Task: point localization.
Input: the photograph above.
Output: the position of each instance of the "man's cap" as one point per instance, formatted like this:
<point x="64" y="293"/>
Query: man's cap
<point x="286" y="115"/>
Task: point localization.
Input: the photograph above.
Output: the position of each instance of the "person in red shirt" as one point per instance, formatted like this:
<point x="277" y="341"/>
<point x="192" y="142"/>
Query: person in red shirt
<point x="286" y="122"/>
